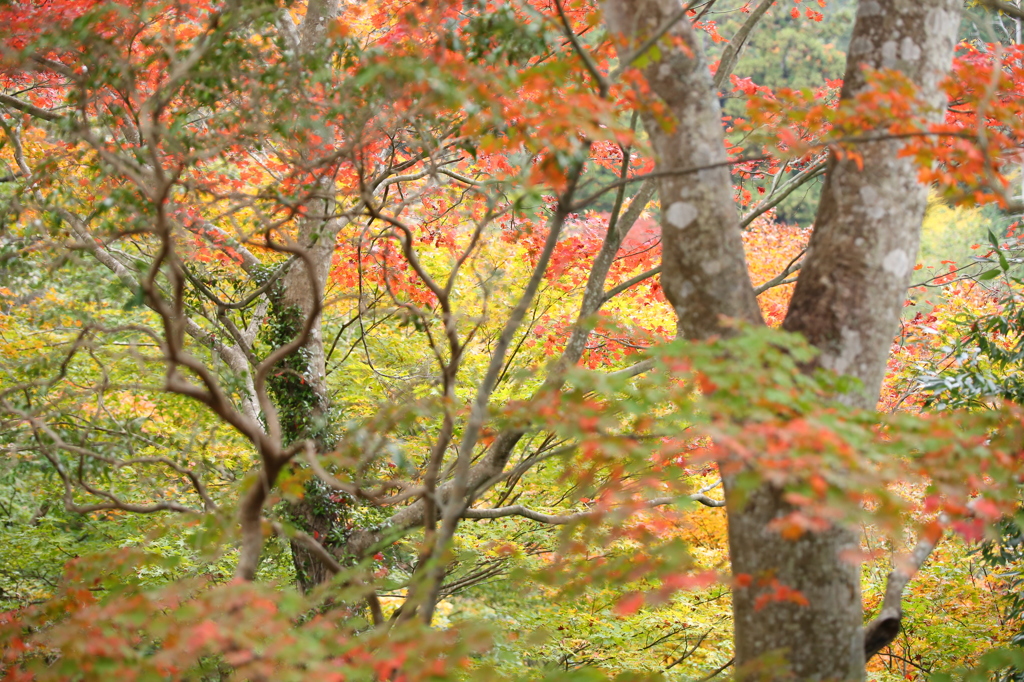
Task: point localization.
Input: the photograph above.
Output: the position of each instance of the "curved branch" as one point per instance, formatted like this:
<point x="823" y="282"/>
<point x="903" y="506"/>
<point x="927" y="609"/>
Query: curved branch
<point x="330" y="563"/>
<point x="219" y="238"/>
<point x="633" y="281"/>
<point x="632" y="371"/>
<point x="825" y="144"/>
<point x="780" y="278"/>
<point x="1004" y="7"/>
<point x="780" y="194"/>
<point x="113" y="502"/>
<point x="886" y="625"/>
<point x="263" y="370"/>
<point x="736" y="45"/>
<point x="245" y="302"/>
<point x="588" y="61"/>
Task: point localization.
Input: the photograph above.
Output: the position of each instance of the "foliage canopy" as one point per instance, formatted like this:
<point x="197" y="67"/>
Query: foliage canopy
<point x="334" y="347"/>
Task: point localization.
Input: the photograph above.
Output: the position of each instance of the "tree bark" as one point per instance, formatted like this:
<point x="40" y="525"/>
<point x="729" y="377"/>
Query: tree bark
<point x="851" y="290"/>
<point x="847" y="302"/>
<point x="299" y="388"/>
<point x="704" y="272"/>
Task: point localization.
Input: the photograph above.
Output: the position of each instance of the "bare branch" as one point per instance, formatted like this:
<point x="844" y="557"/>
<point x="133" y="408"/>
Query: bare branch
<point x="30" y="109"/>
<point x="780" y="279"/>
<point x="631" y="282"/>
<point x="281" y="352"/>
<point x="112" y="501"/>
<point x="736" y="45"/>
<point x="779" y="194"/>
<point x="668" y="173"/>
<point x="635" y="370"/>
<point x="314" y="547"/>
<point x="680" y="171"/>
<point x="717" y="671"/>
<point x="245" y="302"/>
<point x="235" y="358"/>
<point x="1004" y="7"/>
<point x="561" y="519"/>
<point x="707" y="501"/>
<point x="593" y="294"/>
<point x="220" y="239"/>
<point x="588" y="61"/>
<point x="886" y="625"/>
<point x="690" y="651"/>
<point x="520" y="510"/>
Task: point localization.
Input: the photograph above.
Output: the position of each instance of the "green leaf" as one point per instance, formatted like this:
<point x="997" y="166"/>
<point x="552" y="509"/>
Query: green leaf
<point x="987" y="275"/>
<point x="999" y="251"/>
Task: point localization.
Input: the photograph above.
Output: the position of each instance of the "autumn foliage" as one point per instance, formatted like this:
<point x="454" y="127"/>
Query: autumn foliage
<point x="363" y="299"/>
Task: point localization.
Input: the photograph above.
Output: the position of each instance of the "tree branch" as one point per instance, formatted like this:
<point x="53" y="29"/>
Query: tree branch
<point x="732" y="52"/>
<point x="717" y="671"/>
<point x="561" y="519"/>
<point x="632" y="371"/>
<point x="633" y="281"/>
<point x="30" y="109"/>
<point x="780" y="278"/>
<point x="1004" y="7"/>
<point x="588" y="61"/>
<point x="220" y="239"/>
<point x="776" y="197"/>
<point x="886" y="625"/>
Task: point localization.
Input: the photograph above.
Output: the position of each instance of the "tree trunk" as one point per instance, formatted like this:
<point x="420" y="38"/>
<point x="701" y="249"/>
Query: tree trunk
<point x="704" y="272"/>
<point x="299" y="391"/>
<point x="847" y="301"/>
<point x="781" y="640"/>
<point x="298" y="385"/>
<point x="854" y="281"/>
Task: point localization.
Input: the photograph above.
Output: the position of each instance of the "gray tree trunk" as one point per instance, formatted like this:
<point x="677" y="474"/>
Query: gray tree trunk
<point x="704" y="272"/>
<point x="299" y="388"/>
<point x="851" y="290"/>
<point x="847" y="302"/>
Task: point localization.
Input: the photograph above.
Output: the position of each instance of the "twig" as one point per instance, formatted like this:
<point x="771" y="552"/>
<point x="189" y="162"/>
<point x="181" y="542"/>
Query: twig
<point x="30" y="109"/>
<point x="780" y="279"/>
<point x="774" y="199"/>
<point x="1004" y="7"/>
<point x="717" y="671"/>
<point x="588" y="61"/>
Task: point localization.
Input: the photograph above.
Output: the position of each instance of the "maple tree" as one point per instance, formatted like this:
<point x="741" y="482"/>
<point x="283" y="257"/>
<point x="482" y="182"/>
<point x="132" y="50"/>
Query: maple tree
<point x="370" y="298"/>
